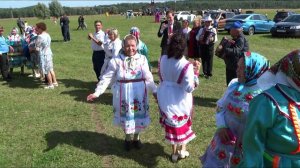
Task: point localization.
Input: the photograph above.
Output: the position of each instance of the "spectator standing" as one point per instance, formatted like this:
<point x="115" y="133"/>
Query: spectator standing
<point x="4" y="59"/>
<point x="239" y="44"/>
<point x="64" y="23"/>
<point x="81" y="23"/>
<point x="97" y="40"/>
<point x="185" y="28"/>
<point x="43" y="48"/>
<point x="112" y="47"/>
<point x="193" y="46"/>
<point x="33" y="55"/>
<point x="207" y="37"/>
<point x="141" y="46"/>
<point x="167" y="29"/>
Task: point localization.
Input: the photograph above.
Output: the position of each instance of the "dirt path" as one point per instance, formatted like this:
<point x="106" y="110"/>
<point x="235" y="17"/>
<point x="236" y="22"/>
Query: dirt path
<point x="107" y="160"/>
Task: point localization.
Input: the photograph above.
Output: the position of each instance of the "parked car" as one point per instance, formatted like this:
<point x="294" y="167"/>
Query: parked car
<point x="184" y="15"/>
<point x="280" y="15"/>
<point x="220" y="18"/>
<point x="290" y="26"/>
<point x="252" y="23"/>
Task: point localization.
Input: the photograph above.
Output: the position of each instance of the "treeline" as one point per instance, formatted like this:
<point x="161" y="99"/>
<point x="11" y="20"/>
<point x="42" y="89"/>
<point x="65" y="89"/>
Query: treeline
<point x="194" y="5"/>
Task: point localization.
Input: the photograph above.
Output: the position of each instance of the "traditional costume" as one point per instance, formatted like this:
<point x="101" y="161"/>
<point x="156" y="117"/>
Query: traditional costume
<point x="232" y="111"/>
<point x="272" y="133"/>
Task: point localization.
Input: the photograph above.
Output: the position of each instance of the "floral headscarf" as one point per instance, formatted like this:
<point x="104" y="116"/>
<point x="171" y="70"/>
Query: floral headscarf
<point x="135" y="31"/>
<point x="290" y="66"/>
<point x="256" y="65"/>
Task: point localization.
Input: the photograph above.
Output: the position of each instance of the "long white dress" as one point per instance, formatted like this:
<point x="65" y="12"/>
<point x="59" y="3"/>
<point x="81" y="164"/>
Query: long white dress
<point x="132" y="80"/>
<point x="175" y="99"/>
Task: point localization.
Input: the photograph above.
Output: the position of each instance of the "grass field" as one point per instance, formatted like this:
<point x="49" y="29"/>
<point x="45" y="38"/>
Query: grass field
<point x="58" y="128"/>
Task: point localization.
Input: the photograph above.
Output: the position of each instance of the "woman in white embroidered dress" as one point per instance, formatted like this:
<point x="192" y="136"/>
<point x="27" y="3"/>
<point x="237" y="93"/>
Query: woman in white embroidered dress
<point x="112" y="47"/>
<point x="174" y="94"/>
<point x="132" y="79"/>
<point x="42" y="46"/>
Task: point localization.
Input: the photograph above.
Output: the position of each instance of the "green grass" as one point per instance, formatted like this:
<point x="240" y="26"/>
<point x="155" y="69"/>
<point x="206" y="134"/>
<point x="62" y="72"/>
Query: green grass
<point x="58" y="128"/>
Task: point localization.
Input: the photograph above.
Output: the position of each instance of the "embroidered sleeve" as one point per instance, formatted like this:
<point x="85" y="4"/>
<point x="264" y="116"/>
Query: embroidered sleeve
<point x="221" y="105"/>
<point x="188" y="81"/>
<point x="108" y="76"/>
<point x="220" y="121"/>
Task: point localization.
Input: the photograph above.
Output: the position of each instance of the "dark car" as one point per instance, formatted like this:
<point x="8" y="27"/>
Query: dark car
<point x="290" y="26"/>
<point x="280" y="15"/>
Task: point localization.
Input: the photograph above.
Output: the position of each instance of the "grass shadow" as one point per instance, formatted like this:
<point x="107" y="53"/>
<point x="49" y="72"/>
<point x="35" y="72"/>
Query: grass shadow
<point x="83" y="89"/>
<point x="205" y="102"/>
<point x="22" y="81"/>
<point x="105" y="145"/>
<point x="79" y="84"/>
<point x="56" y="41"/>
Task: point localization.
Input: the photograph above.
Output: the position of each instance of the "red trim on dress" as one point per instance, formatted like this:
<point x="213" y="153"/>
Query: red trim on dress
<point x="183" y="72"/>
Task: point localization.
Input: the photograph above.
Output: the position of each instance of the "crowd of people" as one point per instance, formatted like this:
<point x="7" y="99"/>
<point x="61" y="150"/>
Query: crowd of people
<point x="34" y="45"/>
<point x="257" y="116"/>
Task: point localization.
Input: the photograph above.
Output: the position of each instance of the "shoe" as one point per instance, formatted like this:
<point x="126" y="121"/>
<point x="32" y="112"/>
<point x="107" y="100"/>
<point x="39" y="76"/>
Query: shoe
<point x="49" y="87"/>
<point x="174" y="158"/>
<point x="30" y="76"/>
<point x="37" y="75"/>
<point x="55" y="84"/>
<point x="183" y="154"/>
<point x="137" y="144"/>
<point x="127" y="145"/>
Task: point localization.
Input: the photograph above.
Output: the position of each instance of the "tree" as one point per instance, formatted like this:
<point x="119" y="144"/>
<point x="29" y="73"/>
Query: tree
<point x="56" y="9"/>
<point x="41" y="11"/>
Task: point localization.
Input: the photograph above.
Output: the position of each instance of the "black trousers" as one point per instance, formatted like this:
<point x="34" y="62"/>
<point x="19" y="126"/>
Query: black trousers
<point x="207" y="53"/>
<point x="98" y="61"/>
<point x="230" y="74"/>
<point x="4" y="66"/>
<point x="66" y="33"/>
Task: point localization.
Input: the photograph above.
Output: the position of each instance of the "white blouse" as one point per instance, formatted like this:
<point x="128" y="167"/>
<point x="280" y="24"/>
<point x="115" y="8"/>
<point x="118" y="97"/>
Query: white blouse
<point x="114" y="72"/>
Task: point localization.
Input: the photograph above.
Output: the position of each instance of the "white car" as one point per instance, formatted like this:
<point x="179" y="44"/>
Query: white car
<point x="184" y="15"/>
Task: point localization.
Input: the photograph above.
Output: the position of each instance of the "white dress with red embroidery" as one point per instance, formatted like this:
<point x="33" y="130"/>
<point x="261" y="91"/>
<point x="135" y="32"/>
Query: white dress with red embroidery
<point x="132" y="80"/>
<point x="175" y="99"/>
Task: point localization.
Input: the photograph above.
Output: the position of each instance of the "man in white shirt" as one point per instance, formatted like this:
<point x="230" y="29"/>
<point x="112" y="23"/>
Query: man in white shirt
<point x="97" y="40"/>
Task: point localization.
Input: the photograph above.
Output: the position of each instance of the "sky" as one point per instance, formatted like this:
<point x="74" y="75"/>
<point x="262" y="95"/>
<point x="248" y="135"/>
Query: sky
<point x="68" y="3"/>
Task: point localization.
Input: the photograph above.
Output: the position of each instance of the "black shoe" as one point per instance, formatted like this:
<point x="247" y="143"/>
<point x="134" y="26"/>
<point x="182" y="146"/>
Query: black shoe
<point x="127" y="145"/>
<point x="137" y="144"/>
